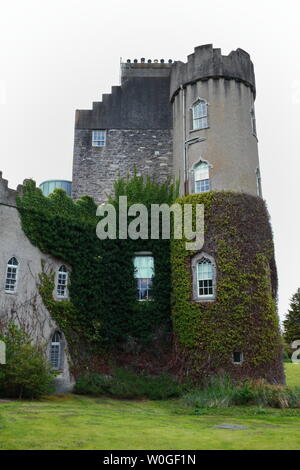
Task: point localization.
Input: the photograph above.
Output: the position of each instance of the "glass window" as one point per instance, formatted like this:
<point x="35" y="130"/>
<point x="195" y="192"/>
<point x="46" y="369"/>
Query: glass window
<point x="99" y="138"/>
<point x="144" y="273"/>
<point x="253" y="122"/>
<point x="205" y="278"/>
<point x="199" y="115"/>
<point x="237" y="357"/>
<point x="201" y="177"/>
<point x="62" y="281"/>
<point x="11" y="275"/>
<point x="55" y="350"/>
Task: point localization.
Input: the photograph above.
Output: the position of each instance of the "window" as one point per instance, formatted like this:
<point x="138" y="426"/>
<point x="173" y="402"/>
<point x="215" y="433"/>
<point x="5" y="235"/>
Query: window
<point x="11" y="275"/>
<point x="201" y="177"/>
<point x="237" y="357"/>
<point x="199" y="115"/>
<point x="205" y="278"/>
<point x="253" y="122"/>
<point x="144" y="273"/>
<point x="56" y="350"/>
<point x="98" y="138"/>
<point x="62" y="281"/>
<point x="258" y="182"/>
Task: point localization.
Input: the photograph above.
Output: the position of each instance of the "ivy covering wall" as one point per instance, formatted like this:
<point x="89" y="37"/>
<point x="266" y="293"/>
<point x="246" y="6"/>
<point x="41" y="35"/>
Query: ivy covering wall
<point x="102" y="316"/>
<point x="243" y="317"/>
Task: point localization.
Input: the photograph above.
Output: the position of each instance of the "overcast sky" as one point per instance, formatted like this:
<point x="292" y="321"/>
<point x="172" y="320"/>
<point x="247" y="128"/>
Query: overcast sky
<point x="58" y="56"/>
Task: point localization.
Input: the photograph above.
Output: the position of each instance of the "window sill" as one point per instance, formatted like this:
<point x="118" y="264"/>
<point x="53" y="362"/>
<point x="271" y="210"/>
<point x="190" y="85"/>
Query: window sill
<point x="204" y="299"/>
<point x="198" y="130"/>
<point x="10" y="293"/>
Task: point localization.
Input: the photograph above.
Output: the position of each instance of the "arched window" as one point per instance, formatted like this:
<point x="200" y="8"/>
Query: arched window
<point x="56" y="350"/>
<point x="205" y="278"/>
<point x="11" y="275"/>
<point x="201" y="177"/>
<point x="62" y="282"/>
<point x="199" y="114"/>
<point x="144" y="273"/>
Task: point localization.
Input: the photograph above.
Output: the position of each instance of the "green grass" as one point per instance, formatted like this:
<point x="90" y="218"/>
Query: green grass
<point x="80" y="422"/>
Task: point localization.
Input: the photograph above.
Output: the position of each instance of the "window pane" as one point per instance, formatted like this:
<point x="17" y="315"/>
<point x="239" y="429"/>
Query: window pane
<point x="143" y="266"/>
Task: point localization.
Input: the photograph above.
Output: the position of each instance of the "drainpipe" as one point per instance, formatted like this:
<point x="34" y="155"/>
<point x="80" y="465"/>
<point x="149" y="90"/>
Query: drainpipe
<point x="183" y="140"/>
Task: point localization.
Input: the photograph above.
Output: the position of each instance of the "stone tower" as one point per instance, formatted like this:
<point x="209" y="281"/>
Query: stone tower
<point x="194" y="121"/>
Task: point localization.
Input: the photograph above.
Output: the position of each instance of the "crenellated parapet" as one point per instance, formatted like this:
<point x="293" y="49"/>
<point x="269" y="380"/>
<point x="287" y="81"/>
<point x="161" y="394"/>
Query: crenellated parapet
<point x="8" y="195"/>
<point x="207" y="62"/>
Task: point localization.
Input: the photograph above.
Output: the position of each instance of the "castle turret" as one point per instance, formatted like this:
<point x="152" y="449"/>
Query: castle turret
<point x="215" y="141"/>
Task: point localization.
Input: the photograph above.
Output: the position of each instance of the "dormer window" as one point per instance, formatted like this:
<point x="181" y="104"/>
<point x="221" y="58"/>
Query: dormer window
<point x="99" y="138"/>
<point x="199" y="115"/>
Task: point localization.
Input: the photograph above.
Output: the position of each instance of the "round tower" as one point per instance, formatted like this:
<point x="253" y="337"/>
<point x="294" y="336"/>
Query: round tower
<point x="215" y="141"/>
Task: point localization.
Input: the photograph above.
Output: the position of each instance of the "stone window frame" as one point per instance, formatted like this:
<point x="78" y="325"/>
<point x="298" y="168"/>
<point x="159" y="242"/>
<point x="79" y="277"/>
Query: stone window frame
<point x="99" y="142"/>
<point x="192" y="119"/>
<point x="62" y="345"/>
<point x="192" y="175"/>
<point x="16" y="267"/>
<point x="194" y="263"/>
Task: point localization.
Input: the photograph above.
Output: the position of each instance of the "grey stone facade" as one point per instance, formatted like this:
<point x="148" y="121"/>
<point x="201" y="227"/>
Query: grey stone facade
<point x="149" y="151"/>
<point x="150" y="112"/>
<point x="25" y="306"/>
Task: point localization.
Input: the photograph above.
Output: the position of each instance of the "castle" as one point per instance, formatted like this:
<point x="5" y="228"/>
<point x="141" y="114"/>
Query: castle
<point x="192" y="121"/>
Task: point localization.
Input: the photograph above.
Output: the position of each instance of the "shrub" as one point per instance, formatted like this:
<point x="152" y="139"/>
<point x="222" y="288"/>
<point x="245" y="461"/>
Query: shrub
<point x="125" y="384"/>
<point x="222" y="392"/>
<point x="26" y="374"/>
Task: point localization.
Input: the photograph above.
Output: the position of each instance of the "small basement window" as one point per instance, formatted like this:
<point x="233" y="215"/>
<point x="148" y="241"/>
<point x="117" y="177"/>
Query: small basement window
<point x="99" y="138"/>
<point x="237" y="357"/>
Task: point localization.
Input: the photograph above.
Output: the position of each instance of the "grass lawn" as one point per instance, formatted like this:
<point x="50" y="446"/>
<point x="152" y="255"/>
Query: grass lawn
<point x="77" y="422"/>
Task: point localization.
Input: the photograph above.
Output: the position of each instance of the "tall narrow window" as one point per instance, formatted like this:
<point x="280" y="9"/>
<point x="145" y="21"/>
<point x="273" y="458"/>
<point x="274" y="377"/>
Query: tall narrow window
<point x="201" y="177"/>
<point x="199" y="115"/>
<point x="258" y="182"/>
<point x="11" y="275"/>
<point x="56" y="350"/>
<point x="62" y="282"/>
<point x="144" y="273"/>
<point x="253" y="122"/>
<point x="205" y="278"/>
<point x="99" y="138"/>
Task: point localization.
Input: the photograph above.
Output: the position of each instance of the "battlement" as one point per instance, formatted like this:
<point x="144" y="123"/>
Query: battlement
<point x="206" y="62"/>
<point x="7" y="195"/>
<point x="145" y="69"/>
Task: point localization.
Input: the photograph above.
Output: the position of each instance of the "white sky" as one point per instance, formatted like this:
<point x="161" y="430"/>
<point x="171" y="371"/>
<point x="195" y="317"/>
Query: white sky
<point x="58" y="56"/>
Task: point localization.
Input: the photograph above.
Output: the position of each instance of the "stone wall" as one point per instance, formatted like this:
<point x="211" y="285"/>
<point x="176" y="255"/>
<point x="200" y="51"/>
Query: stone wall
<point x="96" y="168"/>
<point x="25" y="306"/>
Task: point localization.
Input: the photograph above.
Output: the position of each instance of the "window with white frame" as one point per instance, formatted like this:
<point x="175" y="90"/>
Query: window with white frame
<point x="205" y="278"/>
<point x="201" y="177"/>
<point x="11" y="275"/>
<point x="144" y="273"/>
<point x="56" y="350"/>
<point x="62" y="282"/>
<point x="99" y="138"/>
<point x="199" y="115"/>
<point x="253" y="122"/>
<point x="237" y="357"/>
